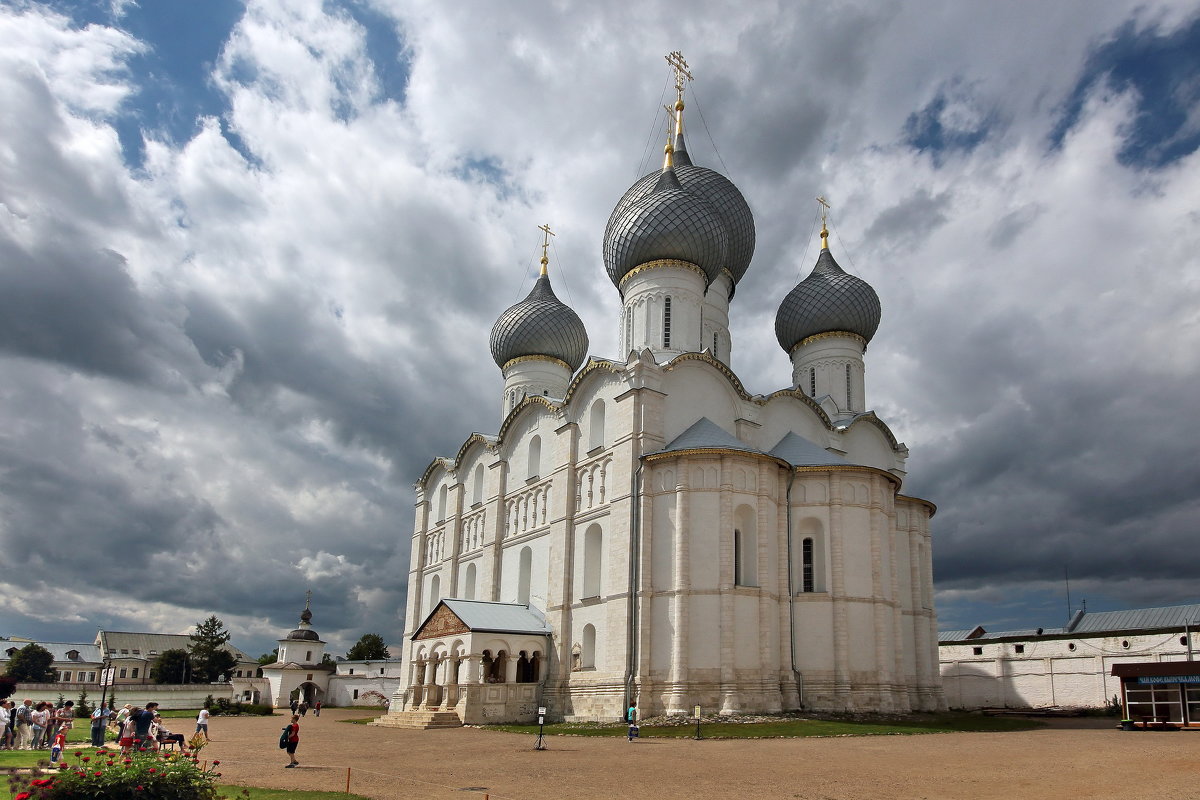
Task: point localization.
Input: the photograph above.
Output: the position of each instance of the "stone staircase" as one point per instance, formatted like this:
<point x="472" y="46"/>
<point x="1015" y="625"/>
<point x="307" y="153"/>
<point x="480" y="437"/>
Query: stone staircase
<point x="420" y="719"/>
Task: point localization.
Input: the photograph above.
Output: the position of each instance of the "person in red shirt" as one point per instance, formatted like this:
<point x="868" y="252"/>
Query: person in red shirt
<point x="293" y="740"/>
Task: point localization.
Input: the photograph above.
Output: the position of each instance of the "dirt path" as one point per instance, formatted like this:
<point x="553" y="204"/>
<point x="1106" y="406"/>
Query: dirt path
<point x="1086" y="759"/>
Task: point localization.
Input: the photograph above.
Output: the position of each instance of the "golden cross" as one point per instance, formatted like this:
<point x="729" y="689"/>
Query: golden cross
<point x="546" y="234"/>
<point x="682" y="75"/>
<point x="824" y="208"/>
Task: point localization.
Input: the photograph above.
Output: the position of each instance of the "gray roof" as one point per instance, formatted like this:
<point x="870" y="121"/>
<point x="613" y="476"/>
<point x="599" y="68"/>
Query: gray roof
<point x="670" y="222"/>
<point x="704" y="434"/>
<point x="1138" y="618"/>
<point x="146" y="642"/>
<point x="540" y="325"/>
<point x="800" y="452"/>
<point x="1097" y="623"/>
<point x="715" y="188"/>
<point x="88" y="653"/>
<point x="481" y="615"/>
<point x="829" y="299"/>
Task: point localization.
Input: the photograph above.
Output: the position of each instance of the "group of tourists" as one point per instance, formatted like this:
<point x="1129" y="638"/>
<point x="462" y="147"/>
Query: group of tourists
<point x="31" y="726"/>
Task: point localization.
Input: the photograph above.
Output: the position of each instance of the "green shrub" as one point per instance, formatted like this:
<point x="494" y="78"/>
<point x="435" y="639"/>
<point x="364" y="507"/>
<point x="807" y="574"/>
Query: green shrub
<point x="105" y="774"/>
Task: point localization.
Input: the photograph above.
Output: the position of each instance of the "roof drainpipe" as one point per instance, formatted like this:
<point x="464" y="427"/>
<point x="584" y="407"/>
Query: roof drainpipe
<point x="792" y="591"/>
<point x="634" y="569"/>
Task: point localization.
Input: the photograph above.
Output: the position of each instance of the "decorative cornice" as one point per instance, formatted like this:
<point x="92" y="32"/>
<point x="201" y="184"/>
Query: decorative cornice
<point x="869" y="416"/>
<point x="919" y="501"/>
<point x="828" y="335"/>
<point x="510" y="420"/>
<point x="440" y="461"/>
<point x="883" y="473"/>
<point x="715" y="451"/>
<point x="593" y="365"/>
<point x="657" y="264"/>
<point x="802" y="397"/>
<point x="521" y="359"/>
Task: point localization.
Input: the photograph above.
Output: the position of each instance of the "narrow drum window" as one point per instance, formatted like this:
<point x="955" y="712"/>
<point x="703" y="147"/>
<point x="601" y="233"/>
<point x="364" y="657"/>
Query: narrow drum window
<point x="812" y="382"/>
<point x="716" y="352"/>
<point x="667" y="322"/>
<point x="849" y="389"/>
<point x="806" y="562"/>
<point x="628" y="330"/>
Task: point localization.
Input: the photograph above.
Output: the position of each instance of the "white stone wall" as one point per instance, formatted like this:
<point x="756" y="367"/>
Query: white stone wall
<point x="1052" y="671"/>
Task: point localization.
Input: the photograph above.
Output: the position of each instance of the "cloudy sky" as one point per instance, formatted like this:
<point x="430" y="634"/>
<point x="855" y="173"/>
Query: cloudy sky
<point x="250" y="254"/>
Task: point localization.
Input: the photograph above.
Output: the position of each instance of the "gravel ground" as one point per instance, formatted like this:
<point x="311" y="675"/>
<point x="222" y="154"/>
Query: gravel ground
<point x="1083" y="758"/>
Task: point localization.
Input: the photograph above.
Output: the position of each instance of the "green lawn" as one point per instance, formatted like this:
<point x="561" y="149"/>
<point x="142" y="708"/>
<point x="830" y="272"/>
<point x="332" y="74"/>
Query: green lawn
<point x="932" y="723"/>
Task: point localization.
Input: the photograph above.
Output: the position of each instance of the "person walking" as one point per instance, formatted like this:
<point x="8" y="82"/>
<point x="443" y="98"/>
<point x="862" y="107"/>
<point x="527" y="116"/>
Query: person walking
<point x="202" y="723"/>
<point x="631" y="716"/>
<point x="24" y="725"/>
<point x="100" y="719"/>
<point x="317" y="709"/>
<point x="5" y="721"/>
<point x="293" y="741"/>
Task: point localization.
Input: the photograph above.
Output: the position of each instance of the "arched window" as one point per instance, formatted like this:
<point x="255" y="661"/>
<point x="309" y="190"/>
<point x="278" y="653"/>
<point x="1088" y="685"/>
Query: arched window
<point x="524" y="570"/>
<point x="809" y="558"/>
<point x="443" y="493"/>
<point x="596" y="426"/>
<point x="667" y="322"/>
<point x="435" y="591"/>
<point x="806" y="560"/>
<point x="523" y="669"/>
<point x="592" y="546"/>
<point x="587" y="655"/>
<point x="745" y="548"/>
<point x="535" y="457"/>
<point x="469" y="583"/>
<point x="477" y="485"/>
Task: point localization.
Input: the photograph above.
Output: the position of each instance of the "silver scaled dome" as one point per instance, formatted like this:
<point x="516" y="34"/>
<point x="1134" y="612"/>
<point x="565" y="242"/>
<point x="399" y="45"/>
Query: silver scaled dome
<point x="540" y="325"/>
<point x="717" y="190"/>
<point x="670" y="222"/>
<point x="829" y="299"/>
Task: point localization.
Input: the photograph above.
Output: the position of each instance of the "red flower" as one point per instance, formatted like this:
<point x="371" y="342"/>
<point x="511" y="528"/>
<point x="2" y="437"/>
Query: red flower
<point x="139" y="788"/>
<point x="98" y="773"/>
<point x="62" y="765"/>
<point x="42" y="782"/>
<point x="215" y="763"/>
<point x="87" y="758"/>
<point x="109" y="763"/>
<point x="152" y="769"/>
<point x="22" y="796"/>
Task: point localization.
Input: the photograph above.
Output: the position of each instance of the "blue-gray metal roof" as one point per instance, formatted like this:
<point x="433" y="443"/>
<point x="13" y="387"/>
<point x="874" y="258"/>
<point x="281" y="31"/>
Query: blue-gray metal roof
<point x="481" y="615"/>
<point x="954" y="636"/>
<point x="704" y="434"/>
<point x="800" y="452"/>
<point x="88" y="653"/>
<point x="1138" y="618"/>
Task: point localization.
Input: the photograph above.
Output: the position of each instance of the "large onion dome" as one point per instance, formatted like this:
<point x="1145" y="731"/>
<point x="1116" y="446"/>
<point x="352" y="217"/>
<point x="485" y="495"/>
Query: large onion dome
<point x="669" y="222"/>
<point x="713" y="187"/>
<point x="829" y="299"/>
<point x="304" y="633"/>
<point x="540" y="325"/>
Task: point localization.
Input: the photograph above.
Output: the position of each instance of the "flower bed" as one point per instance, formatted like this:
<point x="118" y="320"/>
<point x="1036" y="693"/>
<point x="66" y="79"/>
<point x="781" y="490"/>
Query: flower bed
<point x="106" y="774"/>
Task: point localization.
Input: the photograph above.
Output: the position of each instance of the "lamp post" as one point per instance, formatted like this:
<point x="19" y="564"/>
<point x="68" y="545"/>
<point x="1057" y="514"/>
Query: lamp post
<point x="105" y="678"/>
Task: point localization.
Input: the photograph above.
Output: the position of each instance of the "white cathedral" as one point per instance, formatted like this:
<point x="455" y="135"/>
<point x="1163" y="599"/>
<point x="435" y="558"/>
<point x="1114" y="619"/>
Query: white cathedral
<point x="646" y="529"/>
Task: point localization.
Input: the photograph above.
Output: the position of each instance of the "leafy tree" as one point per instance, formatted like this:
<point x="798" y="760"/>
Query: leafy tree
<point x="370" y="647"/>
<point x="7" y="686"/>
<point x="327" y="660"/>
<point x="268" y="658"/>
<point x="31" y="664"/>
<point x="210" y="658"/>
<point x="171" y="666"/>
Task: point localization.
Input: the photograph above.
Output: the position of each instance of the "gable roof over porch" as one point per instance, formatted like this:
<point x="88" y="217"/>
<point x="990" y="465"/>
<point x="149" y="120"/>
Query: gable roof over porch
<point x="451" y="616"/>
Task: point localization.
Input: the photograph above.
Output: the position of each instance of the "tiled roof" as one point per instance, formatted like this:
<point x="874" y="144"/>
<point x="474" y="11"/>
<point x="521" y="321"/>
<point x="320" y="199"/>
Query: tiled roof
<point x="704" y="434"/>
<point x="1094" y="623"/>
<point x="147" y="642"/>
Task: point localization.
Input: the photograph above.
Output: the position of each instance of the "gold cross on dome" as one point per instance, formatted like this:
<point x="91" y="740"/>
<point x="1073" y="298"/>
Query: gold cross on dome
<point x="307" y="597"/>
<point x="546" y="234"/>
<point x="824" y="208"/>
<point x="682" y="75"/>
